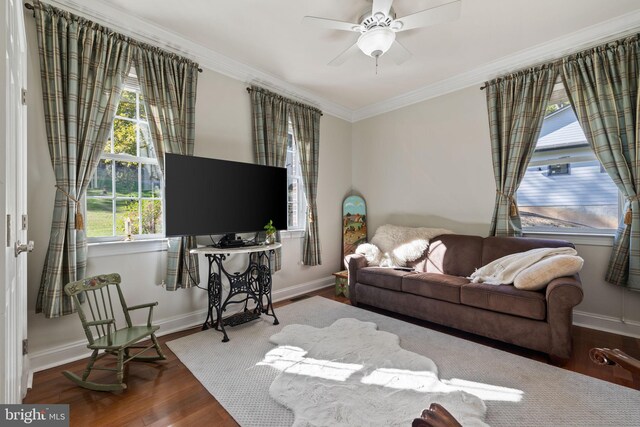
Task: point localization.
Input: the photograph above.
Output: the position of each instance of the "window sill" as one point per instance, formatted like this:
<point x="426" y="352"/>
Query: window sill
<point x="586" y="239"/>
<point x="292" y="234"/>
<point x="101" y="249"/>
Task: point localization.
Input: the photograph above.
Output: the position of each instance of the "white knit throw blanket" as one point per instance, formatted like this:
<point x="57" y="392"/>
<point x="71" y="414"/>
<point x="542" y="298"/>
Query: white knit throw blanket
<point x="394" y="245"/>
<point x="504" y="270"/>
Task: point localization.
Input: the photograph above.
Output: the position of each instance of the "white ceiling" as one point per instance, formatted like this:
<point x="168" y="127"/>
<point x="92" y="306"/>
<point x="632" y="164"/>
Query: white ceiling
<point x="269" y="36"/>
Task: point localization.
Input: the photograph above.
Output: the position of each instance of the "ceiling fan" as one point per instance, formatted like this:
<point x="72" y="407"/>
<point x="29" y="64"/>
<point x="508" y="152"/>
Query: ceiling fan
<point x="379" y="26"/>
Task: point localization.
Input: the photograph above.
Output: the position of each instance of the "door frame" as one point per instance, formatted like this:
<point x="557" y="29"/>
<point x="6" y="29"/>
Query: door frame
<point x="13" y="201"/>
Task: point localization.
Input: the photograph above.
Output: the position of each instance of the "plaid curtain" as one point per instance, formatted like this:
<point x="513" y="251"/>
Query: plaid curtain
<point x="270" y="131"/>
<point x="168" y="84"/>
<point x="516" y="105"/>
<point x="602" y="84"/>
<point x="83" y="67"/>
<point x="306" y="129"/>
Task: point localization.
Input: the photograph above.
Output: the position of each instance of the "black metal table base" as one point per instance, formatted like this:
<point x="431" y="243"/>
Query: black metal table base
<point x="253" y="285"/>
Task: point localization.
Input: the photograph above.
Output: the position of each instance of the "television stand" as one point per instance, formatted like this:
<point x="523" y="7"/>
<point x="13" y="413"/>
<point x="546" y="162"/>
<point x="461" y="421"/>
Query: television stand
<point x="253" y="284"/>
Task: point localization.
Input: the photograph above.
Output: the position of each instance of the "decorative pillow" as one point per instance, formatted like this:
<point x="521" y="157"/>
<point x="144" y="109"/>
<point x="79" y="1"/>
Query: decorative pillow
<point x="542" y="272"/>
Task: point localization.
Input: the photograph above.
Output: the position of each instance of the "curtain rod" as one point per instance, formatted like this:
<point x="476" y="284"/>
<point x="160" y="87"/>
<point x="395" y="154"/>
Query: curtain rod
<point x="621" y="38"/>
<point x="32" y="8"/>
<point x="292" y="101"/>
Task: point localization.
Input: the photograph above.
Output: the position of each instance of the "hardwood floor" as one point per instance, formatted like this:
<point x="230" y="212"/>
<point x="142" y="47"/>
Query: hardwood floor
<point x="166" y="393"/>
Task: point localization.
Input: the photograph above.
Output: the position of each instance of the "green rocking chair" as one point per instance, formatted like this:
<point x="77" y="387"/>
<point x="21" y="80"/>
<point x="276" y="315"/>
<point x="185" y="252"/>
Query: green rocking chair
<point x="102" y="292"/>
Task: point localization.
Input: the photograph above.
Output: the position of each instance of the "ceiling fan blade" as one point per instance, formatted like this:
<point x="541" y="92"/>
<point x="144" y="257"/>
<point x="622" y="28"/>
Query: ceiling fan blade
<point x="398" y="53"/>
<point x="342" y="58"/>
<point x="435" y="15"/>
<point x="381" y="6"/>
<point x="330" y="23"/>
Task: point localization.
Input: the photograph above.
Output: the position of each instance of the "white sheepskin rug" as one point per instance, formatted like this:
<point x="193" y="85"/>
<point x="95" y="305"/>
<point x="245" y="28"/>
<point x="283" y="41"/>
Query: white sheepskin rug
<point x="351" y="374"/>
<point x="394" y="245"/>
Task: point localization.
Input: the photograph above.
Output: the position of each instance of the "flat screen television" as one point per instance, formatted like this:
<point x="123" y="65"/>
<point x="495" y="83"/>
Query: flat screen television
<point x="210" y="196"/>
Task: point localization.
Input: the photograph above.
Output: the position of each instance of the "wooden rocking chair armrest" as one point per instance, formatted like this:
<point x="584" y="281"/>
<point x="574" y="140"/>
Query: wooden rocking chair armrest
<point x="150" y="305"/>
<point x="606" y="356"/>
<point x="136" y="307"/>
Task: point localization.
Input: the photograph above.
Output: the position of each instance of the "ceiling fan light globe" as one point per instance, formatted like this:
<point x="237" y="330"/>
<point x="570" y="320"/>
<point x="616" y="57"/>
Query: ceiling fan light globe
<point x="376" y="41"/>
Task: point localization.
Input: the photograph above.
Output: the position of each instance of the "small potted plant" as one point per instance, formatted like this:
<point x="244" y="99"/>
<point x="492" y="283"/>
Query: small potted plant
<point x="270" y="233"/>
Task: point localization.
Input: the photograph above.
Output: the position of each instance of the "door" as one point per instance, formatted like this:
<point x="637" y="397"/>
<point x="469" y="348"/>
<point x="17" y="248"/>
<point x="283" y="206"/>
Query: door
<point x="13" y="204"/>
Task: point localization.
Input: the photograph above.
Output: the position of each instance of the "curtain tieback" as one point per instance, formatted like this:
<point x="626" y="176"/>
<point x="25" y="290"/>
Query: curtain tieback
<point x="79" y="220"/>
<point x="310" y="215"/>
<point x="513" y="208"/>
<point x="628" y="216"/>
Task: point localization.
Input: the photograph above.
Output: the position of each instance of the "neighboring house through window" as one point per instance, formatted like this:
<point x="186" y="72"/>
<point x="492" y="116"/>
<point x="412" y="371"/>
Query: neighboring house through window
<point x="296" y="201"/>
<point x="563" y="188"/>
<point x="128" y="182"/>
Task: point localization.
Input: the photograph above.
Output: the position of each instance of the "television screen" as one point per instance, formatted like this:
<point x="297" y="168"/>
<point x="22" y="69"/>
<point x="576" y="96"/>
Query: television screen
<point x="210" y="196"/>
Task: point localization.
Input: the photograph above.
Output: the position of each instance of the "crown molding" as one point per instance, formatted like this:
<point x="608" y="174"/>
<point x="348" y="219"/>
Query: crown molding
<point x="153" y="34"/>
<point x="585" y="38"/>
<point x="147" y="32"/>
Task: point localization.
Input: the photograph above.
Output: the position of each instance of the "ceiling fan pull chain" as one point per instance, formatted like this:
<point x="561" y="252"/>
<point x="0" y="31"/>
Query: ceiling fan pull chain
<point x="377" y="56"/>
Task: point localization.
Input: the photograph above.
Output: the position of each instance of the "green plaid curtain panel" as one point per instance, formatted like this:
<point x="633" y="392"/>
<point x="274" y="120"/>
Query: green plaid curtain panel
<point x="602" y="84"/>
<point x="306" y="129"/>
<point x="168" y="84"/>
<point x="83" y="67"/>
<point x="270" y="129"/>
<point x="516" y="105"/>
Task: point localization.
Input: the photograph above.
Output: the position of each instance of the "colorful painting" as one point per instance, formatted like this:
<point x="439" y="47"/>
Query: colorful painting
<point x="354" y="224"/>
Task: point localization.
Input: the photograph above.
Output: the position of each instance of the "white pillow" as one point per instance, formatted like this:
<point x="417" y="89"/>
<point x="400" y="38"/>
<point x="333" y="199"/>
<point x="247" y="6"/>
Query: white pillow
<point x="542" y="272"/>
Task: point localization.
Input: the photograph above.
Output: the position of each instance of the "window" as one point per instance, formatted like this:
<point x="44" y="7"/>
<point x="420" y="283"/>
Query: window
<point x="563" y="188"/>
<point x="296" y="201"/>
<point x="561" y="169"/>
<point x="127" y="183"/>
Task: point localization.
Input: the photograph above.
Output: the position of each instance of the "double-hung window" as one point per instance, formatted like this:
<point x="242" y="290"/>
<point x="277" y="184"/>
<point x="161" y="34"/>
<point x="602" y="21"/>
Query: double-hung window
<point x="296" y="201"/>
<point x="565" y="189"/>
<point x="126" y="191"/>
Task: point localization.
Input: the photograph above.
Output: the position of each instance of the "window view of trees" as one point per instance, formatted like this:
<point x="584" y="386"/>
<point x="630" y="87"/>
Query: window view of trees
<point x="296" y="202"/>
<point x="127" y="183"/>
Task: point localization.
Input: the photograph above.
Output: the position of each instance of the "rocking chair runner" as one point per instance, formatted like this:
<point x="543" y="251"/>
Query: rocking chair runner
<point x="102" y="292"/>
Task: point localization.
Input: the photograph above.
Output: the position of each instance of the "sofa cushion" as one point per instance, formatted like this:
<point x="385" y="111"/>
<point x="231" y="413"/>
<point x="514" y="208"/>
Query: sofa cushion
<point x="382" y="277"/>
<point x="434" y="285"/>
<point x="505" y="299"/>
<point x="454" y="254"/>
<point x="497" y="247"/>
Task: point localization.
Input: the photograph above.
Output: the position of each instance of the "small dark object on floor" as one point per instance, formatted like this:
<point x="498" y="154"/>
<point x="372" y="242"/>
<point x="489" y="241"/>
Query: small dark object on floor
<point x="435" y="416"/>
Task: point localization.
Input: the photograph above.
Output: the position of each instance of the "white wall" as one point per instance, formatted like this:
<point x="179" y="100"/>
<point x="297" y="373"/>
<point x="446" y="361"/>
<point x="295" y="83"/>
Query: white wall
<point x="223" y="130"/>
<point x="429" y="164"/>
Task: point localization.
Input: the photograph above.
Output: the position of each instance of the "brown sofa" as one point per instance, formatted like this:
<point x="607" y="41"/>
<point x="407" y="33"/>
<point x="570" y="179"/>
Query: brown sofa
<point x="438" y="291"/>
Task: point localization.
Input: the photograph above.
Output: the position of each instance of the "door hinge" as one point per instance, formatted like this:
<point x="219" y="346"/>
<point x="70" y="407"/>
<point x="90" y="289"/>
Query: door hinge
<point x="24" y="97"/>
<point x="25" y="347"/>
<point x="8" y="230"/>
<point x="25" y="222"/>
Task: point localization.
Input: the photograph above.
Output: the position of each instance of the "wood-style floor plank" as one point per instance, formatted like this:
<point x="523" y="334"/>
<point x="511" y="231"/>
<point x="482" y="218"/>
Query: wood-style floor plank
<point x="167" y="393"/>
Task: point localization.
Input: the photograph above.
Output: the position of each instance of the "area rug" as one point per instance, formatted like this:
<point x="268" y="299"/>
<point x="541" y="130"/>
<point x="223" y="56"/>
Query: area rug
<point x="516" y="391"/>
<point x="350" y="374"/>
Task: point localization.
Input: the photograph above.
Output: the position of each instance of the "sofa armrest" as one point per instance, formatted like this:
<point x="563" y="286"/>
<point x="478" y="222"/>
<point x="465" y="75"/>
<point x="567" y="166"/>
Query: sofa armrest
<point x="353" y="262"/>
<point x="562" y="295"/>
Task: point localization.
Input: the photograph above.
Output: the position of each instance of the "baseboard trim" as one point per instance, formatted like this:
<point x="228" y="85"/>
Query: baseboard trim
<point x="600" y="322"/>
<point x="303" y="288"/>
<point x="60" y="355"/>
<point x="70" y="352"/>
